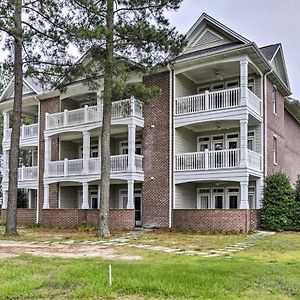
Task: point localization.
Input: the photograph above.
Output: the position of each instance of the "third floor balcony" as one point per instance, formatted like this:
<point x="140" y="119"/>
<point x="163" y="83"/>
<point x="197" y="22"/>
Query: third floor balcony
<point x="122" y="112"/>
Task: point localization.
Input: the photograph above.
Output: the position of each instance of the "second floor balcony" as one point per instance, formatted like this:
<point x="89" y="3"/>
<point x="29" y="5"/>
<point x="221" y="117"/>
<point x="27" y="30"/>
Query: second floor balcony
<point x="28" y="135"/>
<point x="121" y="110"/>
<point x="214" y="102"/>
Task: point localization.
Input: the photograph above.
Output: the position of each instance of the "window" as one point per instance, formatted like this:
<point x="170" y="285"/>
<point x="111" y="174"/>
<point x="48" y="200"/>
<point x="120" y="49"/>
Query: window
<point x="251" y="197"/>
<point x="203" y="201"/>
<point x="251" y="140"/>
<point x="275" y="150"/>
<point x="203" y="143"/>
<point x="274" y="100"/>
<point x="124" y="147"/>
<point x="202" y="89"/>
<point x="251" y="84"/>
<point x="232" y="84"/>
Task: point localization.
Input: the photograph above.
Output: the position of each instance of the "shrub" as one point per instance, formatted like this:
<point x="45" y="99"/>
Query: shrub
<point x="278" y="207"/>
<point x="296" y="216"/>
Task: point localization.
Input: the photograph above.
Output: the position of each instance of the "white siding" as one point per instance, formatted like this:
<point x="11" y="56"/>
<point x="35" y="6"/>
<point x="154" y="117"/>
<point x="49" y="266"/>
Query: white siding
<point x="69" y="197"/>
<point x="185" y="196"/>
<point x="184" y="87"/>
<point x="185" y="140"/>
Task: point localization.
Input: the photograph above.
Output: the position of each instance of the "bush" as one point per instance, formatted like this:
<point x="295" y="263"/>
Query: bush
<point x="278" y="204"/>
<point x="296" y="216"/>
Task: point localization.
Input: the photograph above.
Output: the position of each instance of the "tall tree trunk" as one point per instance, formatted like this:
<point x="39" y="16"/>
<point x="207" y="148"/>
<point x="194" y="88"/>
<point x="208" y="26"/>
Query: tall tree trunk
<point x="11" y="219"/>
<point x="103" y="230"/>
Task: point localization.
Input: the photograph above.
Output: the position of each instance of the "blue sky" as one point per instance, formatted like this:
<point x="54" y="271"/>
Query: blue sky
<point x="263" y="21"/>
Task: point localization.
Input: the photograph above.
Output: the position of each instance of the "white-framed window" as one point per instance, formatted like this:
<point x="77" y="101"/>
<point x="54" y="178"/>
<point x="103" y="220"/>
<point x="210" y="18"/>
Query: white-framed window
<point x="218" y="198"/>
<point x="251" y="140"/>
<point x="203" y="143"/>
<point x="233" y="197"/>
<point x="94" y="151"/>
<point x="274" y="100"/>
<point x="232" y="140"/>
<point x="251" y="197"/>
<point x="124" y="147"/>
<point x="217" y="142"/>
<point x="202" y="89"/>
<point x="251" y="84"/>
<point x="232" y="84"/>
<point x="275" y="150"/>
<point x="203" y="198"/>
<point x="217" y="86"/>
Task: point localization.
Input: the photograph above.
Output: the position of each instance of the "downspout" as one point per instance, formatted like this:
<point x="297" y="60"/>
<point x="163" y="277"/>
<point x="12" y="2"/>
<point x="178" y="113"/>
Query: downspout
<point x="38" y="165"/>
<point x="171" y="83"/>
<point x="266" y="123"/>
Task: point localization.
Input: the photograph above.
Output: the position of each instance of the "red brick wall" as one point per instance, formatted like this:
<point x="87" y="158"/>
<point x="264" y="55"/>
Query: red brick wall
<point x="156" y="154"/>
<point x="24" y="216"/>
<point x="275" y="126"/>
<point x="119" y="219"/>
<point x="51" y="105"/>
<point x="214" y="219"/>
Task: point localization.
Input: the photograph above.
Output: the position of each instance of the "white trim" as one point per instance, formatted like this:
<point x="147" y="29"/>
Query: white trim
<point x="197" y="39"/>
<point x="275" y="151"/>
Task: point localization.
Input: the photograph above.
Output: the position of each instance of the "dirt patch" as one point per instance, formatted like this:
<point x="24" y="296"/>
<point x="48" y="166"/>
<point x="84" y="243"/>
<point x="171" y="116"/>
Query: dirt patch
<point x="14" y="248"/>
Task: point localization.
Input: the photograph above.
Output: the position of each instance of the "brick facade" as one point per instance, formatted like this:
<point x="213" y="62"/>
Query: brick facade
<point x="240" y="220"/>
<point x="51" y="105"/>
<point x="287" y="130"/>
<point x="25" y="216"/>
<point x="156" y="154"/>
<point x="119" y="219"/>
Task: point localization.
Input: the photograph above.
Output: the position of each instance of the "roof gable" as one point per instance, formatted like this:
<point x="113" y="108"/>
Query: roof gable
<point x="28" y="89"/>
<point x="208" y="32"/>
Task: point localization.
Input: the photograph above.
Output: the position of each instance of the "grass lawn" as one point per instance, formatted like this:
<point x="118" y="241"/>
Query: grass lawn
<point x="268" y="270"/>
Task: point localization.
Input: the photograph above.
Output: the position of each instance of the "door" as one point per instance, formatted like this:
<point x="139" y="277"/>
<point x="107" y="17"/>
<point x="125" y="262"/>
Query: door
<point x="138" y="209"/>
<point x="218" y="199"/>
<point x="217" y="145"/>
<point x="93" y="199"/>
<point x="233" y="201"/>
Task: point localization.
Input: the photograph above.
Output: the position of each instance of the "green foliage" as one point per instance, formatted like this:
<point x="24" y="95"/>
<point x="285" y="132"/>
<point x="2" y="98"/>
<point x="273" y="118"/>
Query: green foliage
<point x="22" y="199"/>
<point x="296" y="216"/>
<point x="278" y="203"/>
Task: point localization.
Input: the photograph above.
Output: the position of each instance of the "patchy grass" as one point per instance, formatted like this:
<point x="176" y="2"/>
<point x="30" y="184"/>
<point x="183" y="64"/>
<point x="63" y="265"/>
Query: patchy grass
<point x="187" y="240"/>
<point x="268" y="270"/>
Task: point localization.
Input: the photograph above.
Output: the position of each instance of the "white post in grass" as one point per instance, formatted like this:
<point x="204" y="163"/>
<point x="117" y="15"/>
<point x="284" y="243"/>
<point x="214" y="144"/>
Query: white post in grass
<point x="109" y="275"/>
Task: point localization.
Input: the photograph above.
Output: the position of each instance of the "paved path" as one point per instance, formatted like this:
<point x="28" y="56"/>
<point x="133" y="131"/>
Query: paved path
<point x="125" y="240"/>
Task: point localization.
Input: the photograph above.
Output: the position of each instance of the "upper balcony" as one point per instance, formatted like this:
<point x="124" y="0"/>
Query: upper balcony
<point x="91" y="116"/>
<point x="224" y="104"/>
<point x="29" y="135"/>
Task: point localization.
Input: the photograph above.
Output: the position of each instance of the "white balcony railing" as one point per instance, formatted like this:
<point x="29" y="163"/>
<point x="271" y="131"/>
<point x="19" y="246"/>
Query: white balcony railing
<point x="75" y="167"/>
<point x="254" y="160"/>
<point x="90" y="114"/>
<point x="25" y="174"/>
<point x="254" y="102"/>
<point x="208" y="160"/>
<point x="26" y="132"/>
<point x="139" y="163"/>
<point x="208" y="101"/>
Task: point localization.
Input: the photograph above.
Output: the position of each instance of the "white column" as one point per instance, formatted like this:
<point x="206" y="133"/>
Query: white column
<point x="99" y="196"/>
<point x="46" y="204"/>
<point x="244" y="203"/>
<point x="258" y="192"/>
<point x="99" y="145"/>
<point x="131" y="148"/>
<point x="86" y="151"/>
<point x="4" y="199"/>
<point x="5" y="165"/>
<point x="244" y="81"/>
<point x="5" y="125"/>
<point x="85" y="196"/>
<point x="47" y="154"/>
<point x="130" y="202"/>
<point x="244" y="143"/>
<point x="29" y="198"/>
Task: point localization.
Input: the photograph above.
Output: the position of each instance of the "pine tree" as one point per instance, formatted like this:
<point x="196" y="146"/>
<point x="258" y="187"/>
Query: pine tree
<point x="37" y="40"/>
<point x="120" y="31"/>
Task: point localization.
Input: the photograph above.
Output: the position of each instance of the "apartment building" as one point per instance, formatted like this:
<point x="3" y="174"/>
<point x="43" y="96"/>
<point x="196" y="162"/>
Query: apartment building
<point x="195" y="157"/>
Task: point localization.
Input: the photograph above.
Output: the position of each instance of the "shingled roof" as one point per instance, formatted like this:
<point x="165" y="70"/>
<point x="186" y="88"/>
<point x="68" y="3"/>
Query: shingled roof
<point x="269" y="51"/>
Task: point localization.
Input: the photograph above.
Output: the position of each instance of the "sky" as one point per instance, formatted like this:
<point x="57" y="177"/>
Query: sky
<point x="265" y="22"/>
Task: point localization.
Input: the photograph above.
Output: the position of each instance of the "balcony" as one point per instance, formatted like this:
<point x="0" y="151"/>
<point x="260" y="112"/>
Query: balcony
<point x="77" y="167"/>
<point x="27" y="178"/>
<point x="28" y="135"/>
<point x="213" y="164"/>
<point x="93" y="114"/>
<point x="196" y="108"/>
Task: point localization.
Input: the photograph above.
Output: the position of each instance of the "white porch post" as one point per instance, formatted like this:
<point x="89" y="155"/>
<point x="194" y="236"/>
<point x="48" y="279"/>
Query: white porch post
<point x="29" y="198"/>
<point x="99" y="196"/>
<point x="130" y="202"/>
<point x="5" y="165"/>
<point x="131" y="148"/>
<point x="47" y="154"/>
<point x="258" y="192"/>
<point x="244" y="204"/>
<point x="46" y="204"/>
<point x="244" y="143"/>
<point x="85" y="196"/>
<point x="244" y="81"/>
<point x="4" y="199"/>
<point x="5" y="125"/>
<point x="86" y="151"/>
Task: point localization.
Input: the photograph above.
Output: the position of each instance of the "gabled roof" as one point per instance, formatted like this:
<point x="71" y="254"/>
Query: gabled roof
<point x="30" y="87"/>
<point x="207" y="32"/>
<point x="269" y="51"/>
